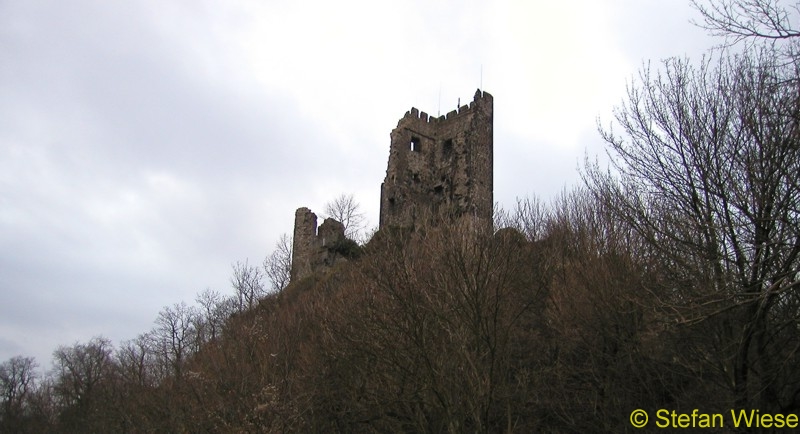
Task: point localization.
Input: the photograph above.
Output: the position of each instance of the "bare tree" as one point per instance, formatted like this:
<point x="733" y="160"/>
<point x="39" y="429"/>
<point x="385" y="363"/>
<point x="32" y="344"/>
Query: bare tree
<point x="528" y="217"/>
<point x="80" y="373"/>
<point x="422" y="334"/>
<point x="136" y="360"/>
<point x="348" y="212"/>
<point x="705" y="171"/>
<point x="278" y="265"/>
<point x="248" y="282"/>
<point x="175" y="336"/>
<point x="17" y="382"/>
<point x="80" y="368"/>
<point x="766" y="23"/>
<point x="215" y="309"/>
<point x="748" y="19"/>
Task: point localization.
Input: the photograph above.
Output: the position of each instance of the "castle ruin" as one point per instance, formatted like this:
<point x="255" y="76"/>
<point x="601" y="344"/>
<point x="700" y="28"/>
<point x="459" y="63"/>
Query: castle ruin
<point x="438" y="167"/>
<point x="314" y="248"/>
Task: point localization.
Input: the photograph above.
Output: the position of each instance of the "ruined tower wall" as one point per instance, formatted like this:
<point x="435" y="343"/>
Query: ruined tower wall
<point x="314" y="249"/>
<point x="304" y="241"/>
<point x="440" y="165"/>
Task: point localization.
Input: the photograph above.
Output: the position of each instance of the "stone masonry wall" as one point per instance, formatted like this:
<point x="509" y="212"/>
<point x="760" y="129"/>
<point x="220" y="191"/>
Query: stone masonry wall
<point x="440" y="165"/>
<point x="314" y="249"/>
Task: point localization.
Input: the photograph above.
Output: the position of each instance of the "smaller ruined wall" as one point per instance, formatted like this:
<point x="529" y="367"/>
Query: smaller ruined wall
<point x="314" y="249"/>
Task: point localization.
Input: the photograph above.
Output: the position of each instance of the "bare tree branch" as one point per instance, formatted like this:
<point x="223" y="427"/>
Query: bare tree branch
<point x="740" y="19"/>
<point x="278" y="265"/>
<point x="347" y="211"/>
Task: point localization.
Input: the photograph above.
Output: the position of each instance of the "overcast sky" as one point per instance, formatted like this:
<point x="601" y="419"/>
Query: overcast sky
<point x="147" y="145"/>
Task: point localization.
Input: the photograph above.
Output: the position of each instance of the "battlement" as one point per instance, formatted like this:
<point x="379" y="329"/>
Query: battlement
<point x="480" y="97"/>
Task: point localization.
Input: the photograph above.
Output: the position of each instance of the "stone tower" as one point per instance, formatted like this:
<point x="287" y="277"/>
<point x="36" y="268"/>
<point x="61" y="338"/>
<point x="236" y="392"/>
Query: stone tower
<point x="440" y="166"/>
<point x="314" y="249"/>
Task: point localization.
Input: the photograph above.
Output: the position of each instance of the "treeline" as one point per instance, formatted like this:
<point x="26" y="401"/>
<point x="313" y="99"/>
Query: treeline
<point x="446" y="328"/>
<point x="92" y="384"/>
<point x="564" y="322"/>
<point x="669" y="280"/>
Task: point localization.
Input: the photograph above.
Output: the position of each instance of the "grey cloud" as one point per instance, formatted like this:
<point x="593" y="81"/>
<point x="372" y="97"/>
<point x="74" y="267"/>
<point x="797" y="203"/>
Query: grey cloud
<point x="94" y="104"/>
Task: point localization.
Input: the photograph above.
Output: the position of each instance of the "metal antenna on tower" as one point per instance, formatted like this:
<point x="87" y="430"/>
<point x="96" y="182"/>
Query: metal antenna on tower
<point x="439" y="109"/>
